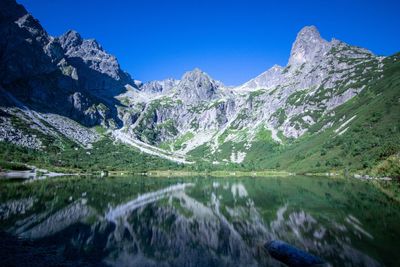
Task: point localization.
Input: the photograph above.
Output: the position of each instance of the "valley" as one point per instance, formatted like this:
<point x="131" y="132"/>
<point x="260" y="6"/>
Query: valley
<point x="97" y="168"/>
<point x="334" y="108"/>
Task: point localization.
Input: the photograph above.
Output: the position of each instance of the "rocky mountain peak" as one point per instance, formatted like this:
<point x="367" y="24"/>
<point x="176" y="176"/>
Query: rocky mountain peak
<point x="309" y="33"/>
<point x="72" y="42"/>
<point x="198" y="78"/>
<point x="195" y="74"/>
<point x="70" y="39"/>
<point x="308" y="45"/>
<point x="198" y="85"/>
<point x="88" y="55"/>
<point x="22" y="43"/>
<point x="93" y="44"/>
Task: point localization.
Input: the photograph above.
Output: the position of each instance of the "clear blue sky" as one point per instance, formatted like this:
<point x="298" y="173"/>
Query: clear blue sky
<point x="231" y="40"/>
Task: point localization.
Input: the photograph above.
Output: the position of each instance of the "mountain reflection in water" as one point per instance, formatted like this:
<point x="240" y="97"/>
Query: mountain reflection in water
<point x="194" y="222"/>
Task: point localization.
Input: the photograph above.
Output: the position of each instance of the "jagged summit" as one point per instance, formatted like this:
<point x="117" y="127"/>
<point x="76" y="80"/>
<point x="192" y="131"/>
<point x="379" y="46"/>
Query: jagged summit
<point x="92" y="54"/>
<point x="308" y="48"/>
<point x="309" y="32"/>
<point x="23" y="44"/>
<point x="70" y="39"/>
<point x="196" y="85"/>
<point x="72" y="33"/>
<point x="311" y="60"/>
<point x="308" y="45"/>
<point x="75" y="78"/>
<point x="195" y="74"/>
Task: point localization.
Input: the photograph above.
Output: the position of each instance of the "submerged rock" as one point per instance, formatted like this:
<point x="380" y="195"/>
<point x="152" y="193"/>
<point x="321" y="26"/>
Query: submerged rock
<point x="291" y="256"/>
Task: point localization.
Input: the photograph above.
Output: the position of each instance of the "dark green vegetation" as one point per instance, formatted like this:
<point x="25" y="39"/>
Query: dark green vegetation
<point x="369" y="142"/>
<point x="362" y="135"/>
<point x="147" y="130"/>
<point x="12" y="166"/>
<point x="372" y="136"/>
<point x="352" y="218"/>
<point x="105" y="155"/>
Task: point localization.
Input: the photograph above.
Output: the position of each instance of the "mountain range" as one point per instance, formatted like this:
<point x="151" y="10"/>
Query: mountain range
<point x="64" y="99"/>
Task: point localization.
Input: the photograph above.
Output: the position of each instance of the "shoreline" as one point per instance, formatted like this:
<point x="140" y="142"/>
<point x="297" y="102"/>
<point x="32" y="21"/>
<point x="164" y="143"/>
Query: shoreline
<point x="32" y="172"/>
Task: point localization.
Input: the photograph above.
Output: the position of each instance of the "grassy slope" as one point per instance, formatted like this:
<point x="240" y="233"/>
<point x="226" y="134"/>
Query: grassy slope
<point x="105" y="155"/>
<point x="373" y="135"/>
<point x="370" y="143"/>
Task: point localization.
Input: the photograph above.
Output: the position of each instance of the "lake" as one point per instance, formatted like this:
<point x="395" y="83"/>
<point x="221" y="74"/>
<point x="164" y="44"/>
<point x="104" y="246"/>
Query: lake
<point x="199" y="221"/>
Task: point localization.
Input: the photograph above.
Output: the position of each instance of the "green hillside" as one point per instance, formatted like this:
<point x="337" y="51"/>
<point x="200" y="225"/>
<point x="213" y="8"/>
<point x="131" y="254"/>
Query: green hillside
<point x="371" y="141"/>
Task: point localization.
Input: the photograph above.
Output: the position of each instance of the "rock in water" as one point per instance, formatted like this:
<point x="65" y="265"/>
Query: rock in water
<point x="291" y="256"/>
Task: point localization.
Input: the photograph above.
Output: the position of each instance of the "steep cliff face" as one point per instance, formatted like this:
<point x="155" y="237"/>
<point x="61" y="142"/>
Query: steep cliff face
<point x="177" y="109"/>
<point x="96" y="70"/>
<point x="197" y="86"/>
<point x="284" y="102"/>
<point x="68" y="75"/>
<point x="196" y="116"/>
<point x="320" y="76"/>
<point x="26" y="49"/>
<point x="308" y="47"/>
<point x="159" y="86"/>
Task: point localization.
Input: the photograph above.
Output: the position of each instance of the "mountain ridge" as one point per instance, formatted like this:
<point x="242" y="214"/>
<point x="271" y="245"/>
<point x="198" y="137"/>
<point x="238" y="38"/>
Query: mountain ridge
<point x="194" y="119"/>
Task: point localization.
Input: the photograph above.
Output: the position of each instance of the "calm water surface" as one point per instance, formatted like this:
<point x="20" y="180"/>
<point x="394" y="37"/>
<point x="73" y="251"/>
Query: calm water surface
<point x="141" y="221"/>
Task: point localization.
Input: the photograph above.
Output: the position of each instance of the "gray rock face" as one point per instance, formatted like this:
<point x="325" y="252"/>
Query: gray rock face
<point x="76" y="78"/>
<point x="197" y="86"/>
<point x="271" y="77"/>
<point x="91" y="53"/>
<point x="159" y="86"/>
<point x="21" y="45"/>
<point x="72" y="130"/>
<point x="68" y="76"/>
<point x="319" y="77"/>
<point x="315" y="67"/>
<point x="70" y="41"/>
<point x="11" y="134"/>
<point x="308" y="46"/>
<point x="24" y="127"/>
<point x="311" y="61"/>
<point x="99" y="70"/>
<point x="190" y="105"/>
